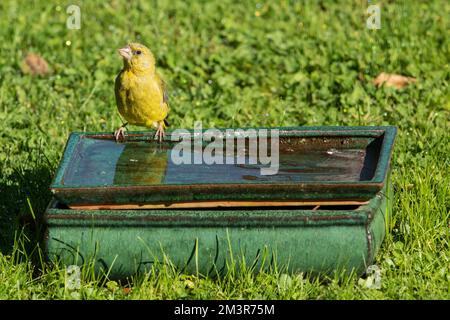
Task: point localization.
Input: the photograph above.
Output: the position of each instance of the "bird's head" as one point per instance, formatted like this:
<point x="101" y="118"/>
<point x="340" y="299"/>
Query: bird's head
<point x="138" y="58"/>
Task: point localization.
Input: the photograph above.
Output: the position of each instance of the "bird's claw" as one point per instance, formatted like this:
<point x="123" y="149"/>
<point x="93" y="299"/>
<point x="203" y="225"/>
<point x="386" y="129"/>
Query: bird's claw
<point x="119" y="133"/>
<point x="160" y="134"/>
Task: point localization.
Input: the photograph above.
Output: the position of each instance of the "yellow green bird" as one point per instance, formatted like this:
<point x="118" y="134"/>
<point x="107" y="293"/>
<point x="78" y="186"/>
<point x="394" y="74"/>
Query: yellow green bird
<point x="140" y="92"/>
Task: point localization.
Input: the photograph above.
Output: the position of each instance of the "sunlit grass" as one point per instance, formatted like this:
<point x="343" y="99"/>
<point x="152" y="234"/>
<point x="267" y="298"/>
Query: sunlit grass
<point x="293" y="63"/>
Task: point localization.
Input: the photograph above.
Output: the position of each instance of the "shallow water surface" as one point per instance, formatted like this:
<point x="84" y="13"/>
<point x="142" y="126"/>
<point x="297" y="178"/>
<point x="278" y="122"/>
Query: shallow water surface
<point x="102" y="162"/>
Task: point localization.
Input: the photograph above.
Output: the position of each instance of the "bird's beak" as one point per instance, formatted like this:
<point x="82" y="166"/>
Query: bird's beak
<point x="125" y="52"/>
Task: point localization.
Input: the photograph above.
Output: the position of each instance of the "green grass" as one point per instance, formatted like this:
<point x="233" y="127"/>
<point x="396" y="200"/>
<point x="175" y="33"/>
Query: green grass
<point x="297" y="63"/>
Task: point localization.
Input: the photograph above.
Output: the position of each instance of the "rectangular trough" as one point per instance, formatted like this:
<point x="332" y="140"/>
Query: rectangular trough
<point x="127" y="205"/>
<point x="315" y="163"/>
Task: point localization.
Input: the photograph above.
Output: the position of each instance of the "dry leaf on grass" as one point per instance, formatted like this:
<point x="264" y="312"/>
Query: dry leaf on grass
<point x="392" y="80"/>
<point x="126" y="290"/>
<point x="34" y="64"/>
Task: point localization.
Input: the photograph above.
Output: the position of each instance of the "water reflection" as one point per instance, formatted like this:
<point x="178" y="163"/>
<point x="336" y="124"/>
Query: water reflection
<point x="100" y="162"/>
<point x="141" y="164"/>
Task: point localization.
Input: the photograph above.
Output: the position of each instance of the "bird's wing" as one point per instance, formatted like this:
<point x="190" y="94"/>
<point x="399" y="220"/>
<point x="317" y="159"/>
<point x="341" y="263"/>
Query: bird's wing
<point x="163" y="86"/>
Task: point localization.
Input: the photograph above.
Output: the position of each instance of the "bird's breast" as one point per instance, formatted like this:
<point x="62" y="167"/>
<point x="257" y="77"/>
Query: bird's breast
<point x="141" y="99"/>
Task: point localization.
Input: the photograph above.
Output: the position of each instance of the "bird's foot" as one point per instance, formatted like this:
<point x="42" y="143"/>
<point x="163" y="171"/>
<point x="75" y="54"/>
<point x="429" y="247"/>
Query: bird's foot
<point x="160" y="134"/>
<point x="119" y="134"/>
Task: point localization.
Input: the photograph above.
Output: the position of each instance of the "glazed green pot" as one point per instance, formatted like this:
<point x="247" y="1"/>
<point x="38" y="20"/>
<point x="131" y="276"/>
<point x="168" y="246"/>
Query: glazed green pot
<point x="126" y="242"/>
<point x="128" y="206"/>
<point x="315" y="163"/>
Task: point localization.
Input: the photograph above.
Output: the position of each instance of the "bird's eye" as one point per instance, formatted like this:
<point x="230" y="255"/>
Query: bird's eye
<point x="138" y="52"/>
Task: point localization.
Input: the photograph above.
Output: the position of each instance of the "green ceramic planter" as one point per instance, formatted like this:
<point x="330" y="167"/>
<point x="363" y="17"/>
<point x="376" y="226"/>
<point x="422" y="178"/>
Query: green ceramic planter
<point x="126" y="242"/>
<point x="320" y="163"/>
<point x="317" y="164"/>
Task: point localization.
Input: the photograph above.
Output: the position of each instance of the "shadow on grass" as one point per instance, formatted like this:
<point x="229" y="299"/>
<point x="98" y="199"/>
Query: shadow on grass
<point x="24" y="196"/>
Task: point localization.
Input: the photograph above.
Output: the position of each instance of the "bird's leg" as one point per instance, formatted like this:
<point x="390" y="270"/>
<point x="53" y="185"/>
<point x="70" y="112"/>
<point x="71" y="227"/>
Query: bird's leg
<point x="160" y="131"/>
<point x="120" y="132"/>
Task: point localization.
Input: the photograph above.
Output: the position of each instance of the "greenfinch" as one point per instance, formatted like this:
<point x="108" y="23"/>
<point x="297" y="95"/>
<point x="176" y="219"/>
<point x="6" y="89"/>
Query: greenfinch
<point x="140" y="91"/>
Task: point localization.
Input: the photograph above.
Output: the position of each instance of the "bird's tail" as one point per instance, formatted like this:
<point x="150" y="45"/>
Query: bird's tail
<point x="166" y="123"/>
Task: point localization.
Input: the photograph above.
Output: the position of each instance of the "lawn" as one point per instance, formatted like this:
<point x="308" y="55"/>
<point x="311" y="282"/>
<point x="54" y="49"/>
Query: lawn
<point x="229" y="64"/>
